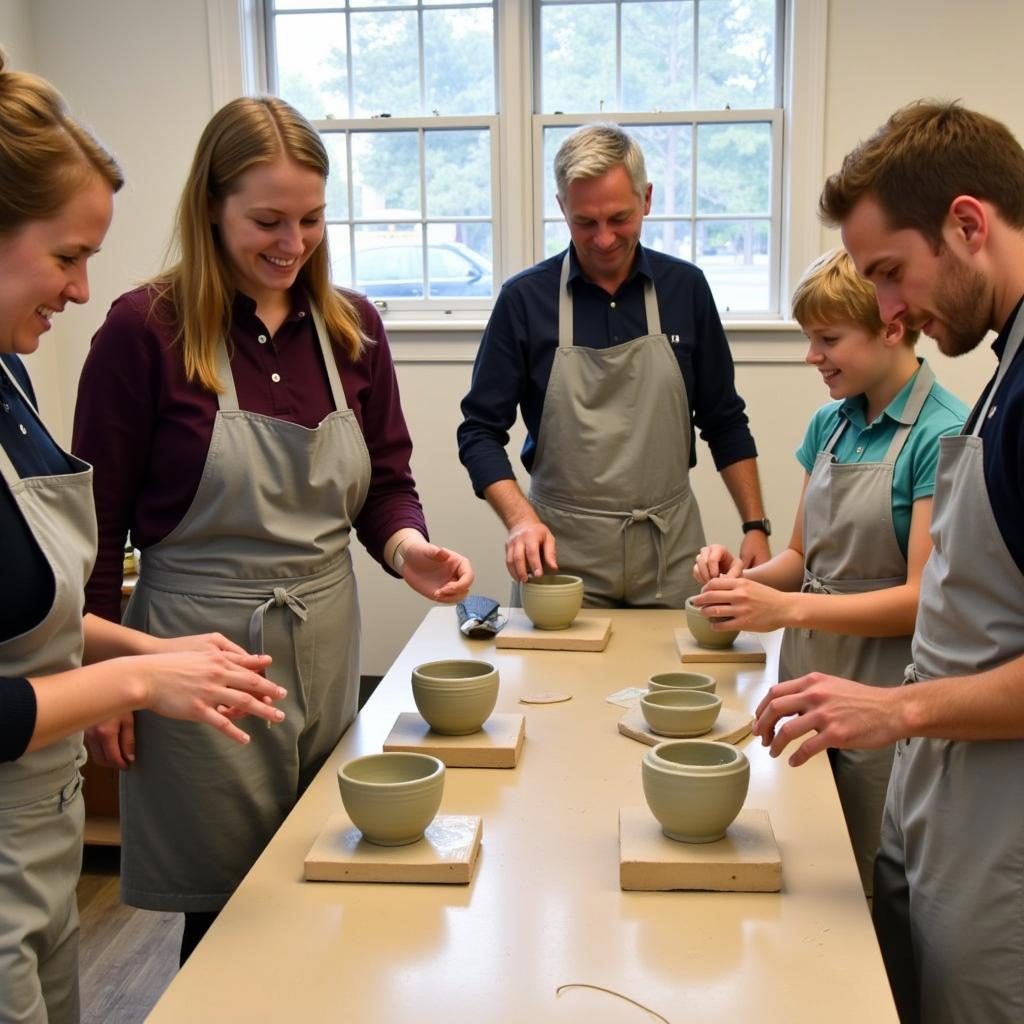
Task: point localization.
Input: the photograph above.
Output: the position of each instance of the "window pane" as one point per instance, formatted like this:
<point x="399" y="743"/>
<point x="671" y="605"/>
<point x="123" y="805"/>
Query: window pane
<point x="459" y="260"/>
<point x="458" y="173"/>
<point x="389" y="260"/>
<point x="556" y="236"/>
<point x="386" y="175"/>
<point x="292" y="5"/>
<point x="337" y="181"/>
<point x="734" y="169"/>
<point x="668" y="156"/>
<point x="311" y="69"/>
<point x="737" y="54"/>
<point x="382" y="3"/>
<point x="341" y="258"/>
<point x="385" y="68"/>
<point x="734" y="257"/>
<point x="577" y="58"/>
<point x="657" y="56"/>
<point x="673" y="237"/>
<point x="553" y="138"/>
<point x="458" y="53"/>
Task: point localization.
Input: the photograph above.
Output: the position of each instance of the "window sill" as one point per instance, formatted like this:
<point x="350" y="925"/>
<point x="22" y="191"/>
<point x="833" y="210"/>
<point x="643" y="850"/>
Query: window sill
<point x="456" y="341"/>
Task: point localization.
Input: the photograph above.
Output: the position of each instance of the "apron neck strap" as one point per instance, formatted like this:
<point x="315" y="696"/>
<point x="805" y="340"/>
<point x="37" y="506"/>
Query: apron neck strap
<point x="911" y="411"/>
<point x="565" y="306"/>
<point x="1013" y="341"/>
<point x="228" y="400"/>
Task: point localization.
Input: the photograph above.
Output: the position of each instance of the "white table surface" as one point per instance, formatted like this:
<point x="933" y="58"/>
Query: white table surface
<point x="544" y="908"/>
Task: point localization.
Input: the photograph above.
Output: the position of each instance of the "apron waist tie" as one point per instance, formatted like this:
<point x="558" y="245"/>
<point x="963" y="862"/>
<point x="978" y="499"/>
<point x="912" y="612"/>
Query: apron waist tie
<point x="282" y="598"/>
<point x="660" y="526"/>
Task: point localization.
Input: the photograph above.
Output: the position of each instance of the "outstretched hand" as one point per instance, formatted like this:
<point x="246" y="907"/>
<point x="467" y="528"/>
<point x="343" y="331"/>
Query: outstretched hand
<point x="837" y="712"/>
<point x="437" y="573"/>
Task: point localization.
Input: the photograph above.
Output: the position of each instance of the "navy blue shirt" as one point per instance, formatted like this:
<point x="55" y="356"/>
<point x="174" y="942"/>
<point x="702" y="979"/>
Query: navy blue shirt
<point x="518" y="347"/>
<point x="29" y="585"/>
<point x="1003" y="437"/>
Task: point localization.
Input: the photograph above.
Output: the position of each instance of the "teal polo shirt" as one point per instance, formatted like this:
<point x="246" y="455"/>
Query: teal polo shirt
<point x="914" y="472"/>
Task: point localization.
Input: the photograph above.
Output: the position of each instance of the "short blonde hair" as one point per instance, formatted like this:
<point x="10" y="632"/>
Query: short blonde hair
<point x="831" y="291"/>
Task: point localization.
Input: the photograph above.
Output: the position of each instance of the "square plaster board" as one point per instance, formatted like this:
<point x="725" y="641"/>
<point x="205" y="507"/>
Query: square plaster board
<point x="586" y="633"/>
<point x="745" y="860"/>
<point x="497" y="745"/>
<point x="746" y="648"/>
<point x="730" y="727"/>
<point x="446" y="854"/>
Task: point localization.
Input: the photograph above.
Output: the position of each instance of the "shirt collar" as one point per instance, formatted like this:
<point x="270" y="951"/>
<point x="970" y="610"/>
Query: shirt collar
<point x="999" y="345"/>
<point x="854" y="408"/>
<point x="641" y="265"/>
<point x="244" y="307"/>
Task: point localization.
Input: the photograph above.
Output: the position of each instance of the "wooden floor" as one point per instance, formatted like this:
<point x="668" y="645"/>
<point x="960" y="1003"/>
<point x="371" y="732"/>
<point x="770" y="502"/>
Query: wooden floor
<point x="128" y="957"/>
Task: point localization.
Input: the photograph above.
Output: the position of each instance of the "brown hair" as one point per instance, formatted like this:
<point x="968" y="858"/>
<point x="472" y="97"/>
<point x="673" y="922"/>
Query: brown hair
<point x="245" y="133"/>
<point x="45" y="154"/>
<point x="921" y="159"/>
<point x="832" y="292"/>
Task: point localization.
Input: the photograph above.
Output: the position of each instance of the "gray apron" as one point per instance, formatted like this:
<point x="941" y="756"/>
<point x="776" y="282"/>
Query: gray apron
<point x="850" y="547"/>
<point x="950" y="877"/>
<point x="262" y="556"/>
<point x="611" y="476"/>
<point x="41" y="810"/>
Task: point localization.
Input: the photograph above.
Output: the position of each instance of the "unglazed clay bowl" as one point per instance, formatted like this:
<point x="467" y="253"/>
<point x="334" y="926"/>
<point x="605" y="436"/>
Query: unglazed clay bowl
<point x="695" y="788"/>
<point x="552" y="602"/>
<point x="681" y="681"/>
<point x="392" y="797"/>
<point x="700" y="626"/>
<point x="680" y="712"/>
<point x="455" y="698"/>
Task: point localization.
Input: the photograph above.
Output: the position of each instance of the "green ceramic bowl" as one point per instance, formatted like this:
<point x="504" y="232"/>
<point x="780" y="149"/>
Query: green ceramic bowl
<point x="392" y="797"/>
<point x="681" y="681"/>
<point x="680" y="712"/>
<point x="701" y="628"/>
<point x="455" y="698"/>
<point x="552" y="602"/>
<point x="695" y="788"/>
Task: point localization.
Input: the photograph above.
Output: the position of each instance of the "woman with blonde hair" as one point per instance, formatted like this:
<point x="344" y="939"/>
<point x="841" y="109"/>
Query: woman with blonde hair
<point x="60" y="672"/>
<point x="243" y="415"/>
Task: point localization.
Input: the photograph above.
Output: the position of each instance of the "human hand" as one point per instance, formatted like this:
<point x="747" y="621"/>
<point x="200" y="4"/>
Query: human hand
<point x="755" y="549"/>
<point x="838" y="712"/>
<point x="212" y="686"/>
<point x="746" y="603"/>
<point x="197" y="642"/>
<point x="715" y="560"/>
<point x="111" y="744"/>
<point x="529" y="550"/>
<point x="434" y="572"/>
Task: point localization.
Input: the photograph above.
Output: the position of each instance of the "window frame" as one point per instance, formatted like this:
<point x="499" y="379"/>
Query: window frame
<point x="238" y="66"/>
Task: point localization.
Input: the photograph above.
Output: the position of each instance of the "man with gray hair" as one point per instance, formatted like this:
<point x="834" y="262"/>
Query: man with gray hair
<point x="614" y="354"/>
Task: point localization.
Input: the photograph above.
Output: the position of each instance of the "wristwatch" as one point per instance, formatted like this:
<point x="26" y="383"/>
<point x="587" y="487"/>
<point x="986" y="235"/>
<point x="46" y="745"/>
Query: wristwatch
<point x="763" y="525"/>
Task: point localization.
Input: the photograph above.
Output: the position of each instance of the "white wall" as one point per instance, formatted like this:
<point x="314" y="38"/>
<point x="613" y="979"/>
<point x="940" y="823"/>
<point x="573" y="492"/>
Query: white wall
<point x="139" y="73"/>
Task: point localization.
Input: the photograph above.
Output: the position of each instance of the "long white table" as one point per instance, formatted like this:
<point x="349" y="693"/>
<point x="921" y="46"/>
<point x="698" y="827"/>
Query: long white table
<point x="544" y="908"/>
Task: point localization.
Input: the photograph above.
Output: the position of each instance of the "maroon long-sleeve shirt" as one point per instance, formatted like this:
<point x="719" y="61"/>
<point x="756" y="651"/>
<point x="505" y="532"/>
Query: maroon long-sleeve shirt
<point x="146" y="430"/>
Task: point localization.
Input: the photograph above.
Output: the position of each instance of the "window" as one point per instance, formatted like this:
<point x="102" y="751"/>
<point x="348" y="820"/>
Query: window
<point x="442" y="119"/>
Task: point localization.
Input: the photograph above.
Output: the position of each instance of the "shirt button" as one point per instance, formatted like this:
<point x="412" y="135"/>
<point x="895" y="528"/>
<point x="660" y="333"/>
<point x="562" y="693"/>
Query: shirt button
<point x="860" y="447"/>
<point x="302" y="313"/>
<point x="275" y="377"/>
<point x="262" y="339"/>
<point x="21" y="427"/>
<point x="612" y="304"/>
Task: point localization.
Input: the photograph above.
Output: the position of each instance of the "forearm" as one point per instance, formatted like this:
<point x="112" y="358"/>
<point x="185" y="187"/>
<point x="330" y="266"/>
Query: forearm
<point x="986" y="706"/>
<point x="888" y="612"/>
<point x="105" y="640"/>
<point x="509" y="502"/>
<point x="743" y="484"/>
<point x="783" y="572"/>
<point x="71" y="701"/>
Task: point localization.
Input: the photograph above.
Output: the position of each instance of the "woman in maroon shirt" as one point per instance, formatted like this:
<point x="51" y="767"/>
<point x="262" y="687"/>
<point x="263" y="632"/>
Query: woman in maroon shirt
<point x="242" y="415"/>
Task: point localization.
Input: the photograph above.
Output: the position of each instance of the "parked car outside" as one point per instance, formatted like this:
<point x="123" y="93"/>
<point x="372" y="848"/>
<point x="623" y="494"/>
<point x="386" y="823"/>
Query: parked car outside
<point x="395" y="271"/>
